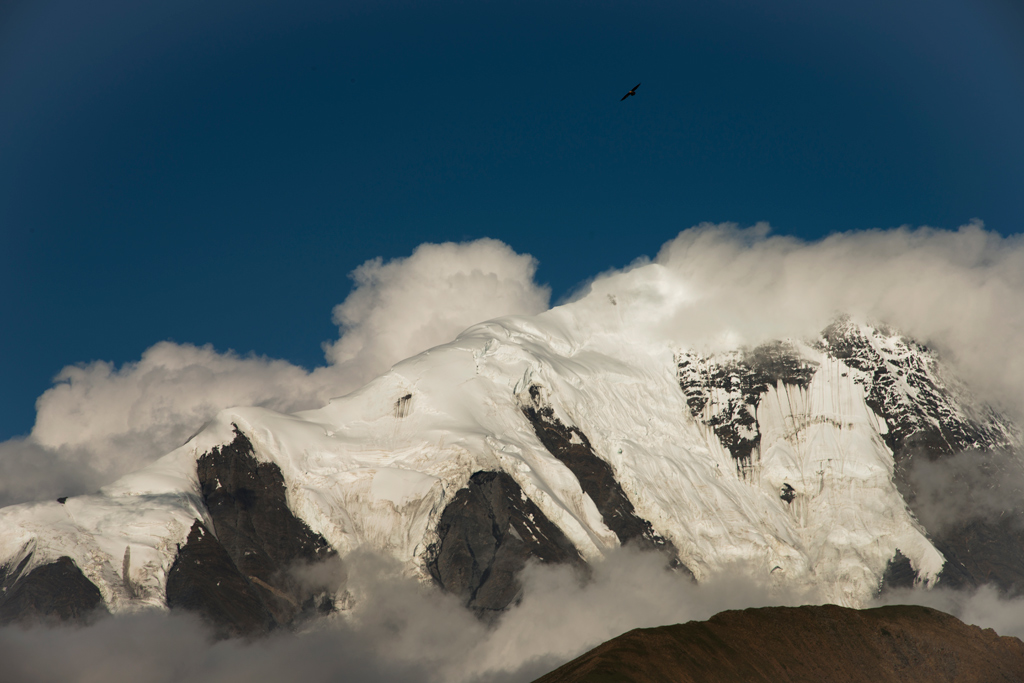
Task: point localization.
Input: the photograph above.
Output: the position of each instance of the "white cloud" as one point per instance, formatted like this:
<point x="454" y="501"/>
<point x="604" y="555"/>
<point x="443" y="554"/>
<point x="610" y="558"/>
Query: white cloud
<point x="29" y="471"/>
<point x="172" y="388"/>
<point x="400" y="629"/>
<point x="559" y="617"/>
<point x="98" y="422"/>
<point x="405" y="306"/>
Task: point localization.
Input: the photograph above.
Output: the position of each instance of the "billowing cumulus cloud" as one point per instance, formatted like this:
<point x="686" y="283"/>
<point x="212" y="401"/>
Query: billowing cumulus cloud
<point x="29" y="471"/>
<point x="402" y="307"/>
<point x="154" y="400"/>
<point x="99" y="421"/>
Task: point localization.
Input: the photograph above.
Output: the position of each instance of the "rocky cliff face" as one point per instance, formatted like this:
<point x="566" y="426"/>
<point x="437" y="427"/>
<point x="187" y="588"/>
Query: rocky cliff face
<point x="49" y="593"/>
<point x="723" y="391"/>
<point x="485" y="537"/>
<point x="931" y="418"/>
<point x="239" y="575"/>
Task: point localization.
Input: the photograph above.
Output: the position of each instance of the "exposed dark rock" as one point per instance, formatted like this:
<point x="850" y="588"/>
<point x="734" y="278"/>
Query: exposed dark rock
<point x="485" y="537"/>
<point x="899" y="573"/>
<point x="205" y="580"/>
<point x="597" y="479"/>
<point x="237" y="574"/>
<point x="787" y="493"/>
<point x="983" y="552"/>
<point x="402" y="406"/>
<point x="264" y="539"/>
<point x="54" y="592"/>
<point x="934" y="421"/>
<point x="894" y="644"/>
<point x="744" y="376"/>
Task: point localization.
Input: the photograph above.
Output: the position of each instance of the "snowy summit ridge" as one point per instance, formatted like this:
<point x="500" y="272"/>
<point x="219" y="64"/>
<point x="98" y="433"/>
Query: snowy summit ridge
<point x="558" y="437"/>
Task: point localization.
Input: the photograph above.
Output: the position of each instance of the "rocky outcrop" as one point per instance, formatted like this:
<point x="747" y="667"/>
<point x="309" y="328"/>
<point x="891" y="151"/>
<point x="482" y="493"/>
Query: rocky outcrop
<point x="904" y="383"/>
<point x="204" y="579"/>
<point x="895" y="644"/>
<point x="251" y="519"/>
<point x="239" y="573"/>
<point x="899" y="573"/>
<point x="486" y="535"/>
<point x="57" y="591"/>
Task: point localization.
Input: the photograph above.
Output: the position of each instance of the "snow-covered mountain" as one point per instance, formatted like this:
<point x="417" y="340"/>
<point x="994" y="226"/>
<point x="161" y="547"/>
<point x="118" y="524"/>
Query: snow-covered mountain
<point x="555" y="437"/>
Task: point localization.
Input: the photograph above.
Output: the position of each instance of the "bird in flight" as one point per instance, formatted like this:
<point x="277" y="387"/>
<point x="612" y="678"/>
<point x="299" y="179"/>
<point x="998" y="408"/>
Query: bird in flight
<point x="631" y="92"/>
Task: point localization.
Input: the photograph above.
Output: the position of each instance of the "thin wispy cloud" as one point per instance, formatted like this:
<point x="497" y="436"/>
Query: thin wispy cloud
<point x="967" y="487"/>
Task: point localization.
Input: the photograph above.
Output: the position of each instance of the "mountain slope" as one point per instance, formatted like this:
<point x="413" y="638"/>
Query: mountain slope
<point x="894" y="644"/>
<point x="555" y="437"/>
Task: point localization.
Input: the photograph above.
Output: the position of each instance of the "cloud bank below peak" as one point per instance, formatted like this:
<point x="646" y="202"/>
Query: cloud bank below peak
<point x="400" y="629"/>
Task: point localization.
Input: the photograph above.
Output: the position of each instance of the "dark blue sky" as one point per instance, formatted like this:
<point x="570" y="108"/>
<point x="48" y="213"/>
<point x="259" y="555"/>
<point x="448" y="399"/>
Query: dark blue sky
<point x="210" y="171"/>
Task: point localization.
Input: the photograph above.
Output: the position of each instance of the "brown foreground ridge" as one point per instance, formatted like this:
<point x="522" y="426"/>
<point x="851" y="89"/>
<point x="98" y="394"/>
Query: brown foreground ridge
<point x="898" y="643"/>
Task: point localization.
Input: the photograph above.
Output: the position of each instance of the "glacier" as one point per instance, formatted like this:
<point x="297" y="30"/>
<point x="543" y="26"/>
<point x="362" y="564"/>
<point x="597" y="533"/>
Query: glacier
<point x="812" y="500"/>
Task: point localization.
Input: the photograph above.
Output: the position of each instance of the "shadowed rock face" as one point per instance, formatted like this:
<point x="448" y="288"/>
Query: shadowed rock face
<point x="485" y="537"/>
<point x="247" y="502"/>
<point x="899" y="573"/>
<point x="984" y="552"/>
<point x="895" y="644"/>
<point x="205" y="580"/>
<point x="240" y="576"/>
<point x="597" y="479"/>
<point x="52" y="592"/>
<point x="932" y="421"/>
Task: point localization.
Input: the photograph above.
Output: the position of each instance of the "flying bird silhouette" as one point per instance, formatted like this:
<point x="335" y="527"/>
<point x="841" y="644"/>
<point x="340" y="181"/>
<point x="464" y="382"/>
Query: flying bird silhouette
<point x="631" y="92"/>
